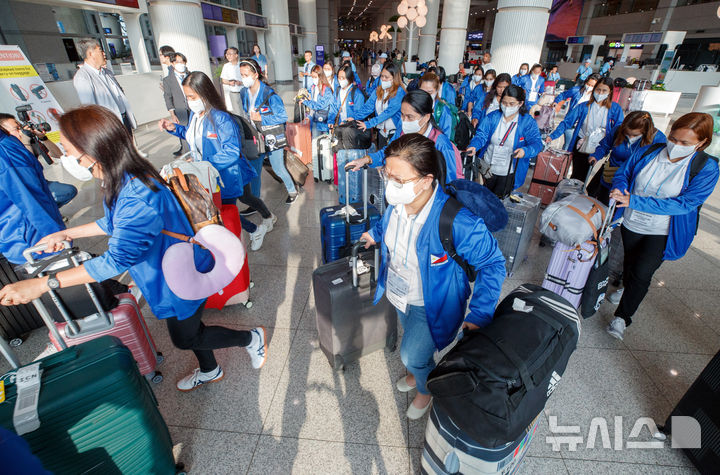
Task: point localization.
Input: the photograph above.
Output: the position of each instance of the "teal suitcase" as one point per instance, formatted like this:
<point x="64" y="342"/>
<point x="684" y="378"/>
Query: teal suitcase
<point x="97" y="414"/>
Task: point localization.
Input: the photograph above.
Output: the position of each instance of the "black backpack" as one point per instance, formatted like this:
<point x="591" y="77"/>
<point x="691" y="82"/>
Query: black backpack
<point x="496" y="381"/>
<point x="464" y="131"/>
<point x="252" y="140"/>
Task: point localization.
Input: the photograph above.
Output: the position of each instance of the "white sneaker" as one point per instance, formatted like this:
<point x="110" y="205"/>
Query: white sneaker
<point x="270" y="222"/>
<point x="256" y="238"/>
<point x="257" y="349"/>
<point x="198" y="378"/>
<point x="615" y="297"/>
<point x="617" y="328"/>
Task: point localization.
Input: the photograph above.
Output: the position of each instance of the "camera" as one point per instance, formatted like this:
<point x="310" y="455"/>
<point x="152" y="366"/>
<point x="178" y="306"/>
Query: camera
<point x="23" y="114"/>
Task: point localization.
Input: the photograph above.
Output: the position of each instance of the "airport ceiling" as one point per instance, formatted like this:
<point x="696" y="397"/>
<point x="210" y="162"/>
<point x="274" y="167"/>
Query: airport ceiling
<point x="359" y="13"/>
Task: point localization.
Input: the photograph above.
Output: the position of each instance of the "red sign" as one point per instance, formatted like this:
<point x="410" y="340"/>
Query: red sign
<point x="119" y="3"/>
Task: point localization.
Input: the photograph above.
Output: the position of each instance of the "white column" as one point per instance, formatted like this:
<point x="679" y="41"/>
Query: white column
<point x="231" y="35"/>
<point x="323" y="26"/>
<point x="519" y="33"/>
<point x="625" y="53"/>
<point x="179" y="23"/>
<point x="428" y="33"/>
<point x="277" y="39"/>
<point x="260" y="39"/>
<point x="412" y="40"/>
<point x="308" y="20"/>
<point x="333" y="24"/>
<point x="137" y="42"/>
<point x="454" y="33"/>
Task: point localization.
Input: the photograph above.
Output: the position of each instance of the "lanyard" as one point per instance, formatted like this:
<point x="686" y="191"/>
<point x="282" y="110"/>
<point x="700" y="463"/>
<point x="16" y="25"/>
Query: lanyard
<point x="397" y="233"/>
<point x="671" y="175"/>
<point x="507" y="134"/>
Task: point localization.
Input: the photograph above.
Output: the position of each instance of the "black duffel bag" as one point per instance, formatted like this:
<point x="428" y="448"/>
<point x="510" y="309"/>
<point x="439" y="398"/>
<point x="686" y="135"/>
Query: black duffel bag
<point x="497" y="379"/>
<point x="350" y="137"/>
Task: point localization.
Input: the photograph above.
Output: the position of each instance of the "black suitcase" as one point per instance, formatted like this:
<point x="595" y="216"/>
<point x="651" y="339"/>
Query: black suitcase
<point x="15" y="321"/>
<point x="349" y="325"/>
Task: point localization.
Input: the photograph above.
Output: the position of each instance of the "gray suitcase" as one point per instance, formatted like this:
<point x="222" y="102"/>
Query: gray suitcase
<point x="376" y="190"/>
<point x="514" y="239"/>
<point x="349" y="325"/>
<point x="322" y="157"/>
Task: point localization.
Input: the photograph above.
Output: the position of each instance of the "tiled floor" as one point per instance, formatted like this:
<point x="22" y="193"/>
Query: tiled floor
<point x="297" y="415"/>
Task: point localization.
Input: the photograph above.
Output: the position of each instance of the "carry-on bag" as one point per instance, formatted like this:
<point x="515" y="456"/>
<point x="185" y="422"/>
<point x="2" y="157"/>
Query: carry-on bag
<point x="349" y="325"/>
<point x="195" y="200"/>
<point x="573" y="220"/>
<point x="599" y="276"/>
<point x="376" y="190"/>
<point x="238" y="291"/>
<point x="545" y="117"/>
<point x="322" y="158"/>
<point x="16" y="321"/>
<point x="87" y="409"/>
<point x="551" y="167"/>
<point x="448" y="450"/>
<point x="344" y="157"/>
<point x="514" y="238"/>
<point x="299" y="137"/>
<point x="125" y="322"/>
<point x="339" y="228"/>
<point x="496" y="380"/>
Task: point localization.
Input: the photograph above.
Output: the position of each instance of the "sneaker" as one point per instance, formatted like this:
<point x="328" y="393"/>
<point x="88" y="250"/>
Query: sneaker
<point x="403" y="386"/>
<point x="617" y="328"/>
<point x="614" y="298"/>
<point x="257" y="349"/>
<point x="256" y="238"/>
<point x="291" y="197"/>
<point x="249" y="211"/>
<point x="270" y="222"/>
<point x="198" y="378"/>
<point x="413" y="413"/>
<point x="177" y="153"/>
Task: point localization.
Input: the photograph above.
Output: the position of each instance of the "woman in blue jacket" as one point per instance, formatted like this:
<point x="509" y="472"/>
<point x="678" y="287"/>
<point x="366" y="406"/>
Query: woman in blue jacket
<point x="138" y="208"/>
<point x="474" y="92"/>
<point x="385" y="104"/>
<point x="263" y="105"/>
<point x="533" y="84"/>
<point x="578" y="94"/>
<point x="320" y="102"/>
<point x="430" y="83"/>
<point x="428" y="287"/>
<point x="524" y="68"/>
<point x="373" y="81"/>
<point x="491" y="102"/>
<point x="598" y="116"/>
<point x="447" y="91"/>
<point x="659" y="192"/>
<point x="329" y="73"/>
<point x="637" y="132"/>
<point x="27" y="208"/>
<point x="417" y="117"/>
<point x="507" y="139"/>
<point x="214" y="136"/>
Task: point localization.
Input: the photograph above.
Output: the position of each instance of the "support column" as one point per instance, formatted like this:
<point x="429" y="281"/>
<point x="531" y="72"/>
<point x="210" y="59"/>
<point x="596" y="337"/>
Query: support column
<point x="519" y="33"/>
<point x="260" y="40"/>
<point x="488" y="31"/>
<point x="231" y="35"/>
<point x="333" y="25"/>
<point x="307" y="12"/>
<point x="179" y="23"/>
<point x="323" y="26"/>
<point x="428" y="33"/>
<point x="137" y="42"/>
<point x="453" y="34"/>
<point x="625" y="53"/>
<point x="277" y="39"/>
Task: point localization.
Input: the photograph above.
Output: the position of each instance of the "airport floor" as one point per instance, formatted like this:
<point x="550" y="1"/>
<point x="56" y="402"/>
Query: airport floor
<point x="297" y="415"/>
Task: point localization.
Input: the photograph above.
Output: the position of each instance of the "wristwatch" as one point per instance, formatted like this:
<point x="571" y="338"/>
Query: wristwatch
<point x="53" y="283"/>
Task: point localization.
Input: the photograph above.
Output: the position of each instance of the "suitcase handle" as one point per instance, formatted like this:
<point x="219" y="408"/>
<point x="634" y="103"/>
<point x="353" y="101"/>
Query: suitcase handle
<point x="354" y="257"/>
<point x="27" y="253"/>
<point x="348" y="168"/>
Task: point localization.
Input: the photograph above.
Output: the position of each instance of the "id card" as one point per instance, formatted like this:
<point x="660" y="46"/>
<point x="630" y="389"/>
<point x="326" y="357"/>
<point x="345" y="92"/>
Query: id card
<point x="397" y="289"/>
<point x="533" y="96"/>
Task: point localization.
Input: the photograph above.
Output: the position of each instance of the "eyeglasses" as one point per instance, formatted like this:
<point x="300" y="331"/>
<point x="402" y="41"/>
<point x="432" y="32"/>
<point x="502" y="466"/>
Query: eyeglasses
<point x="396" y="182"/>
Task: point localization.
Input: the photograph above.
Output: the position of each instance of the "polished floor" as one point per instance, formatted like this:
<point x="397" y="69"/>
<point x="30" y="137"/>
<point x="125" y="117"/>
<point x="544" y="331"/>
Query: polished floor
<point x="296" y="415"/>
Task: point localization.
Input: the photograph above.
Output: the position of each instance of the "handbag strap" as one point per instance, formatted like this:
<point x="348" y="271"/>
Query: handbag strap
<point x="181" y="179"/>
<point x="507" y="134"/>
<point x="337" y="118"/>
<point x="180" y="237"/>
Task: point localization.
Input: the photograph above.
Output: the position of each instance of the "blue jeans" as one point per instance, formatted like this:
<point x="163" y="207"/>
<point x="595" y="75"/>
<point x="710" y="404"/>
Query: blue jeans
<point x="343" y="157"/>
<point x="417" y="348"/>
<point x="62" y="193"/>
<point x="278" y="165"/>
<point x="256" y="183"/>
<point x="247" y="225"/>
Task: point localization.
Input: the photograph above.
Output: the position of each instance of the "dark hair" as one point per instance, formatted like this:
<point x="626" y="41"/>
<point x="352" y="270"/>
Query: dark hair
<point x="536" y="65"/>
<point x="308" y="51"/>
<point x="636" y="120"/>
<point x="253" y="48"/>
<point x="476" y="67"/>
<point x="491" y="71"/>
<point x="608" y="100"/>
<point x="518" y="93"/>
<point x="594" y="76"/>
<point x="252" y="64"/>
<point x="231" y="48"/>
<point x="390" y="67"/>
<point x="165" y="50"/>
<point x="175" y="55"/>
<point x="96" y="131"/>
<point x="203" y="86"/>
<point x="322" y="79"/>
<point x="420" y="152"/>
<point x="420" y="100"/>
<point x="441" y="74"/>
<point x="524" y="64"/>
<point x="698" y="122"/>
<point x="3" y="117"/>
<point x="349" y="74"/>
<point x="502" y="77"/>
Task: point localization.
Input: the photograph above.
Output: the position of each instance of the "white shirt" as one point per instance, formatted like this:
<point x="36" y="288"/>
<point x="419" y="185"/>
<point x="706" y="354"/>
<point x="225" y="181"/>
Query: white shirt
<point x="494" y="105"/>
<point x="194" y="136"/>
<point x="343" y="102"/>
<point x="533" y="96"/>
<point x="388" y="126"/>
<point x="112" y="87"/>
<point x="585" y="97"/>
<point x="488" y="66"/>
<point x="180" y="78"/>
<point x="252" y="98"/>
<point x="596" y="119"/>
<point x="401" y="240"/>
<point x="231" y="72"/>
<point x="307" y="79"/>
<point x="499" y="157"/>
<point x="660" y="178"/>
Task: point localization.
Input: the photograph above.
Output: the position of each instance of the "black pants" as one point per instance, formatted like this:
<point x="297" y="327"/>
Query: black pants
<point x="580" y="164"/>
<point x="192" y="334"/>
<point x="643" y="256"/>
<point x="501" y="185"/>
<point x="254" y="202"/>
<point x="600" y="192"/>
<point x="382" y="141"/>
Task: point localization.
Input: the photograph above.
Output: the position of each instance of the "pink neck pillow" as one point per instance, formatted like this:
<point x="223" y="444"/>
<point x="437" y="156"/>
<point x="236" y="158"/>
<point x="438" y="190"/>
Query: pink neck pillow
<point x="183" y="278"/>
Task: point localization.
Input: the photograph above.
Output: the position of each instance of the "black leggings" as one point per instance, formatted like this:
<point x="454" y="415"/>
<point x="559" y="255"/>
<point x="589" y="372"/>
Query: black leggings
<point x="502" y="186"/>
<point x="580" y="164"/>
<point x="643" y="256"/>
<point x="192" y="334"/>
<point x="255" y="202"/>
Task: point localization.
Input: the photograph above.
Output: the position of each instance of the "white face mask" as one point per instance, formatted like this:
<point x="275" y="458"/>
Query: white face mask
<point x="315" y="81"/>
<point x="402" y="195"/>
<point x="599" y="97"/>
<point x="632" y="140"/>
<point x="197" y="106"/>
<point x="73" y="167"/>
<point x="509" y="110"/>
<point x="180" y="67"/>
<point x="386" y="84"/>
<point x="328" y="74"/>
<point x="411" y="126"/>
<point x="343" y="83"/>
<point x="534" y="76"/>
<point x="678" y="151"/>
<point x="588" y="88"/>
<point x="523" y="72"/>
<point x="248" y="81"/>
<point x="489" y="82"/>
<point x="477" y="77"/>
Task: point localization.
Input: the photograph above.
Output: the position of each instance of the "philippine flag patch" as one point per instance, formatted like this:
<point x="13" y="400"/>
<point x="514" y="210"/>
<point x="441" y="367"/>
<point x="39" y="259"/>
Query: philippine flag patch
<point x="438" y="260"/>
<point x="211" y="135"/>
<point x="264" y="110"/>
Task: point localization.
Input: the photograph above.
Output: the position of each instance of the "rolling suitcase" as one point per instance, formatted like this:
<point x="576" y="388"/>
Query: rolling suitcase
<point x="568" y="270"/>
<point x="322" y="158"/>
<point x="448" y="450"/>
<point x="238" y="291"/>
<point x="599" y="276"/>
<point x="514" y="239"/>
<point x="355" y="187"/>
<point x="15" y="321"/>
<point x="376" y="190"/>
<point x="338" y="230"/>
<point x="551" y="167"/>
<point x="94" y="412"/>
<point x="299" y="136"/>
<point x="349" y="325"/>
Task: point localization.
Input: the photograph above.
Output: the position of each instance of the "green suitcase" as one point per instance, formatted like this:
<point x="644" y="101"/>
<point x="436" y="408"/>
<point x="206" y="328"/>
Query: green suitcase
<point x="97" y="413"/>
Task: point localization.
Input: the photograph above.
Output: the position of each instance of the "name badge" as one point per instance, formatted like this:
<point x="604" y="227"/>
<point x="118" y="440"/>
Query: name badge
<point x="397" y="289"/>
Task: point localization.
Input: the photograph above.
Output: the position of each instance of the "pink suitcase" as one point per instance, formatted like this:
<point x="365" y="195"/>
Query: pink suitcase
<point x="568" y="270"/>
<point x="551" y="167"/>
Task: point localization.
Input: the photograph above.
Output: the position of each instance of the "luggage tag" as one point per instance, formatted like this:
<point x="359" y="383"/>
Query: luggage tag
<point x="397" y="289"/>
<point x="25" y="416"/>
<point x="643" y="219"/>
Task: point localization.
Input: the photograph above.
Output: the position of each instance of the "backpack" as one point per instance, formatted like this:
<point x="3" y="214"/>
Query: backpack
<point x="459" y="165"/>
<point x="481" y="202"/>
<point x="442" y="105"/>
<point x="464" y="131"/>
<point x="252" y="140"/>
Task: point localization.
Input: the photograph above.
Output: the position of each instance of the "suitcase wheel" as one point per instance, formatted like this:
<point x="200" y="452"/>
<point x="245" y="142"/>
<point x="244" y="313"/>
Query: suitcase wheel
<point x="157" y="377"/>
<point x="15" y="342"/>
<point x="252" y="284"/>
<point x="316" y="180"/>
<point x="180" y="469"/>
<point x="248" y="304"/>
<point x="159" y="357"/>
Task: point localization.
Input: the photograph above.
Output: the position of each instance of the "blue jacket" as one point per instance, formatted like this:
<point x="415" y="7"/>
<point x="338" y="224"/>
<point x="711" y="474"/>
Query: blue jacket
<point x="683" y="209"/>
<point x="576" y="118"/>
<point x="324" y="102"/>
<point x="445" y="286"/>
<point x="555" y="77"/>
<point x="371" y="85"/>
<point x="222" y="148"/>
<point x="574" y="94"/>
<point x="353" y="104"/>
<point x="392" y="111"/>
<point x="479" y="110"/>
<point x="527" y="137"/>
<point x="605" y="68"/>
<point x="134" y="224"/>
<point x="525" y="82"/>
<point x="446" y="122"/>
<point x="474" y="94"/>
<point x="619" y="154"/>
<point x="273" y="112"/>
<point x="442" y="144"/>
<point x="448" y="93"/>
<point x="584" y="71"/>
<point x="516" y="79"/>
<point x="28" y="211"/>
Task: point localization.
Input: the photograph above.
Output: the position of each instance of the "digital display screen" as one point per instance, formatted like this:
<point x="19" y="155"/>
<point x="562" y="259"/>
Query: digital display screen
<point x="255" y="20"/>
<point x="575" y="40"/>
